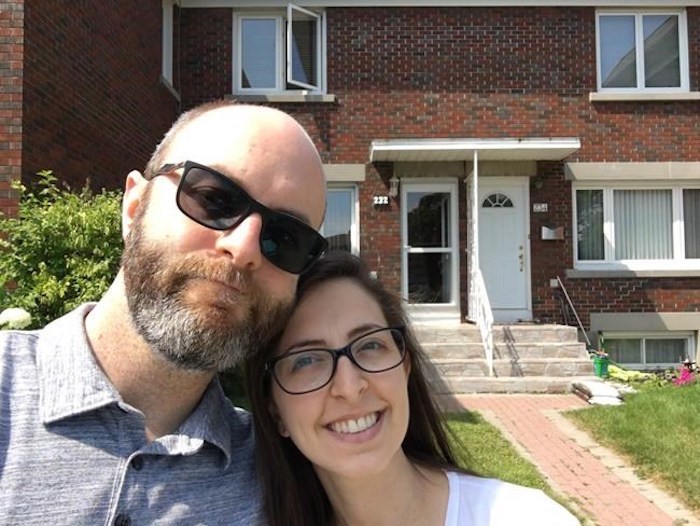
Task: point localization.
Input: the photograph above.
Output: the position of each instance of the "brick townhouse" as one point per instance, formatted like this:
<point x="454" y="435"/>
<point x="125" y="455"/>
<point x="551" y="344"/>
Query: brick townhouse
<point x="501" y="150"/>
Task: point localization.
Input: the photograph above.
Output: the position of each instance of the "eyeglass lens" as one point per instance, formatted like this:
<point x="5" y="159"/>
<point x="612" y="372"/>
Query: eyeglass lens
<point x="215" y="201"/>
<point x="308" y="370"/>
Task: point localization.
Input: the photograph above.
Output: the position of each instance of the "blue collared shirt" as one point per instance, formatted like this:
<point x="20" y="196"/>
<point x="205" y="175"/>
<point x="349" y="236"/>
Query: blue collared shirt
<point x="73" y="452"/>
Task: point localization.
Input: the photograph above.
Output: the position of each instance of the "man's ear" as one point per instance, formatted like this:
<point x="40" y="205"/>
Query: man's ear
<point x="133" y="199"/>
<point x="274" y="414"/>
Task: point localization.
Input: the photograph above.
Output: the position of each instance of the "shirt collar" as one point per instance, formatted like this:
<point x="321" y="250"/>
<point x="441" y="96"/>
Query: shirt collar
<point x="211" y="421"/>
<point x="71" y="383"/>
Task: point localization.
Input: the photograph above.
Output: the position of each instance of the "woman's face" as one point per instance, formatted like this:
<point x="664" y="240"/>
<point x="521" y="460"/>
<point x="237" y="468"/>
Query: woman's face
<point x="354" y="426"/>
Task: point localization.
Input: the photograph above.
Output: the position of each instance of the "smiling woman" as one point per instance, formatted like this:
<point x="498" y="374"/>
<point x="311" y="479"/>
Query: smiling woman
<point x="346" y="428"/>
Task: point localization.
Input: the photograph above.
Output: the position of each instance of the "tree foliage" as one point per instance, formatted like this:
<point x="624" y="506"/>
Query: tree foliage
<point x="61" y="250"/>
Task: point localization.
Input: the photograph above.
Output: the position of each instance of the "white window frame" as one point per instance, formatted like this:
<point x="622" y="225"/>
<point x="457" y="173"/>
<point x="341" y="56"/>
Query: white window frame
<point x="678" y="262"/>
<point x="688" y="336"/>
<point x="639" y="48"/>
<point x="355" y="214"/>
<point x="167" y="41"/>
<point x="282" y="56"/>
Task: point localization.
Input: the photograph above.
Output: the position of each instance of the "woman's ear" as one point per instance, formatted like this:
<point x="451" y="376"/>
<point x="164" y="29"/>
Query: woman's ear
<point x="133" y="199"/>
<point x="274" y="414"/>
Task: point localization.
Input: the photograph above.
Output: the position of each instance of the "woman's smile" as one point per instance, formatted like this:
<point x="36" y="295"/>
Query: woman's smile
<point x="355" y="425"/>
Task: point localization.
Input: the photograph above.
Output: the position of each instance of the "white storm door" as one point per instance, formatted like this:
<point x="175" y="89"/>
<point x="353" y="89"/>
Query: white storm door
<point x="430" y="256"/>
<point x="504" y="248"/>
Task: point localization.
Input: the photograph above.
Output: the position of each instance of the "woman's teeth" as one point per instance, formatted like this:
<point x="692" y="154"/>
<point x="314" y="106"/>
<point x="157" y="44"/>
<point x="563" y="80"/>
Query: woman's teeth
<point x="355" y="426"/>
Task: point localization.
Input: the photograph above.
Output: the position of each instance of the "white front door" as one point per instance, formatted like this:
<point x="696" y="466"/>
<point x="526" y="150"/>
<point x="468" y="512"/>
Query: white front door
<point x="430" y="255"/>
<point x="504" y="248"/>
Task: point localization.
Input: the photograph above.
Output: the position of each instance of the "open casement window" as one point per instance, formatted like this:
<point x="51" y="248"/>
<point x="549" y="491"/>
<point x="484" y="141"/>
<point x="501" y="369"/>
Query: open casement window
<point x="642" y="51"/>
<point x="279" y="52"/>
<point x="637" y="228"/>
<point x="303" y="46"/>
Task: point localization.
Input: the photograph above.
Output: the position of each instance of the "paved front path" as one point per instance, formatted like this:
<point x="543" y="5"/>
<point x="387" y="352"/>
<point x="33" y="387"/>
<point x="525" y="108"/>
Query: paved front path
<point x="599" y="482"/>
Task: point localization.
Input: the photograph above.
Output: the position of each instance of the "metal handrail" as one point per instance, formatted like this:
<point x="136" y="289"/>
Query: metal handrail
<point x="573" y="309"/>
<point x="483" y="315"/>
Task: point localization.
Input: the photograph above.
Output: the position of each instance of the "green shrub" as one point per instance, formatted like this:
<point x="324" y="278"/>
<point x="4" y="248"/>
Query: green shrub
<point x="61" y="250"/>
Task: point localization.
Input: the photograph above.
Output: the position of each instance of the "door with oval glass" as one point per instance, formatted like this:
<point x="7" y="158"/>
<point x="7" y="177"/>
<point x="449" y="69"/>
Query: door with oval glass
<point x="504" y="248"/>
<point x="430" y="257"/>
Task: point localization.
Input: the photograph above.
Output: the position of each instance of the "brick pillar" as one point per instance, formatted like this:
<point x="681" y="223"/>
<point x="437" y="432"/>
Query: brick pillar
<point x="11" y="74"/>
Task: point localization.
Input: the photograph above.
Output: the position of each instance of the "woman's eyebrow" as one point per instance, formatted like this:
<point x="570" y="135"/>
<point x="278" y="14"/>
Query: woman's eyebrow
<point x="323" y="344"/>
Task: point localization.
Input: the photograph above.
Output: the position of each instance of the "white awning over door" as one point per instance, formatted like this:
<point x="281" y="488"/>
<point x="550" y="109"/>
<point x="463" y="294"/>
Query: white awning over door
<point x="422" y="150"/>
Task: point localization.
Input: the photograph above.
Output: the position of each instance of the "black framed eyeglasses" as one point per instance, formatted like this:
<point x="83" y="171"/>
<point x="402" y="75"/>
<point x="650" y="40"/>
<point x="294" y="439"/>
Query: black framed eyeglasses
<point x="301" y="372"/>
<point x="211" y="199"/>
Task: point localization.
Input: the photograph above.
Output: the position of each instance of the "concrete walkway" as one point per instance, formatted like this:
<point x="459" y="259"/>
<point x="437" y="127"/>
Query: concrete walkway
<point x="597" y="481"/>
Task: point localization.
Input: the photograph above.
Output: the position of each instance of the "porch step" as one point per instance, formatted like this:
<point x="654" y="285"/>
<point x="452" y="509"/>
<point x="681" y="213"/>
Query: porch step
<point x="475" y="367"/>
<point x="527" y="358"/>
<point x="505" y="385"/>
<point x="454" y="350"/>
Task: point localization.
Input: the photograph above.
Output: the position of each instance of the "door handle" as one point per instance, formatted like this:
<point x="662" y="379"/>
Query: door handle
<point x="521" y="257"/>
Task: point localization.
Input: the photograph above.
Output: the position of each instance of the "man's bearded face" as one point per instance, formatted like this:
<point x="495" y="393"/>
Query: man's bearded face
<point x="197" y="312"/>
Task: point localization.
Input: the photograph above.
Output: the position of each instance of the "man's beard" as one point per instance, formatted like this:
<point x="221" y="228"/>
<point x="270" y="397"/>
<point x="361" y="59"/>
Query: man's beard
<point x="212" y="334"/>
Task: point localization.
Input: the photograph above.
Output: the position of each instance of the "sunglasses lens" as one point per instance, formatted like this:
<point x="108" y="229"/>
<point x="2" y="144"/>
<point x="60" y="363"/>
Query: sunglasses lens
<point x="211" y="200"/>
<point x="291" y="244"/>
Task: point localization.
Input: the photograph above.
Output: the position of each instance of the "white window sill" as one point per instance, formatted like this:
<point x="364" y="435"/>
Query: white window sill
<point x="618" y="273"/>
<point x="604" y="96"/>
<point x="283" y="97"/>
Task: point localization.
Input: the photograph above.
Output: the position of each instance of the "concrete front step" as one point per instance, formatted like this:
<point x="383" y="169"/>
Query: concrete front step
<point x="477" y="367"/>
<point x="528" y="358"/>
<point x="521" y="333"/>
<point x="515" y="351"/>
<point x="512" y="385"/>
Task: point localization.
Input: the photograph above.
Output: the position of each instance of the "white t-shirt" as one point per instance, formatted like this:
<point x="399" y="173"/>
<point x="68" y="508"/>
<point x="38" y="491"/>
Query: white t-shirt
<point x="476" y="501"/>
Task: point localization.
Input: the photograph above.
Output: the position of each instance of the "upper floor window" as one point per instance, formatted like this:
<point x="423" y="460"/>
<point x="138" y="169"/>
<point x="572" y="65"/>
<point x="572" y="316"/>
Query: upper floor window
<point x="277" y="52"/>
<point x="642" y="51"/>
<point x="637" y="228"/>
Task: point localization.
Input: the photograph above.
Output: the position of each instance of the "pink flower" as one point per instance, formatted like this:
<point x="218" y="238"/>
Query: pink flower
<point x="685" y="377"/>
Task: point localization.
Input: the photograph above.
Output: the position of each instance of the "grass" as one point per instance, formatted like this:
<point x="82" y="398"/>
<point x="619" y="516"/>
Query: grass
<point x="487" y="452"/>
<point x="657" y="430"/>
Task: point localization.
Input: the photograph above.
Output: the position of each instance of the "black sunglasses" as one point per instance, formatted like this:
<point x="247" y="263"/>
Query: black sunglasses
<point x="213" y="200"/>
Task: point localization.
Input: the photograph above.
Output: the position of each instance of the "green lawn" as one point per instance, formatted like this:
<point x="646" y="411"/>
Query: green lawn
<point x="658" y="430"/>
<point x="488" y="453"/>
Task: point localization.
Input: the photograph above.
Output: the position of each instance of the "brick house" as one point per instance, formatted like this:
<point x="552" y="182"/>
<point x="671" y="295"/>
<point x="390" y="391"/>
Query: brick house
<point x="503" y="150"/>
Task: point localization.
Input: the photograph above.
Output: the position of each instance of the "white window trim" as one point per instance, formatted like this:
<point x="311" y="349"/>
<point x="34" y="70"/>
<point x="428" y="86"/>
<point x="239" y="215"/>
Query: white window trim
<point x="354" y="220"/>
<point x="610" y="264"/>
<point x="688" y="336"/>
<point x="166" y="75"/>
<point x="682" y="51"/>
<point x="281" y="56"/>
<point x="291" y="8"/>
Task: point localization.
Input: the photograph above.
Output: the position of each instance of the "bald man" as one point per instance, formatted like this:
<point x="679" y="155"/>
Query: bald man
<point x="113" y="414"/>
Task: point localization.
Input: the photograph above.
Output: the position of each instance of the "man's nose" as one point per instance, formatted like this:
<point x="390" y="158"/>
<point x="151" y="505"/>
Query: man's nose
<point x="242" y="243"/>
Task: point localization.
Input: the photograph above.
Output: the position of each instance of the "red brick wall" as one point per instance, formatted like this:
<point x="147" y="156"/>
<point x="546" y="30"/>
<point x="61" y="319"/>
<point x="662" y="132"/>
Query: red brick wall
<point x="207" y="48"/>
<point x="486" y="73"/>
<point x="94" y="106"/>
<point x="551" y="259"/>
<point x="11" y="71"/>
